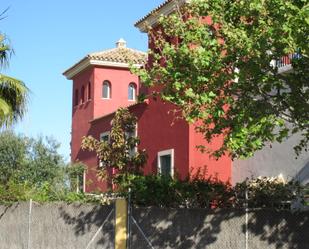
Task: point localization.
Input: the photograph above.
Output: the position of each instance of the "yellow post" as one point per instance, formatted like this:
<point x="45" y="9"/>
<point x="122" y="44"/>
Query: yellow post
<point x="121" y="224"/>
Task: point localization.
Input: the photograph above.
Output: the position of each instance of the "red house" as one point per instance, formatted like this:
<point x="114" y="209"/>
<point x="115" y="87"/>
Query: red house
<point x="102" y="83"/>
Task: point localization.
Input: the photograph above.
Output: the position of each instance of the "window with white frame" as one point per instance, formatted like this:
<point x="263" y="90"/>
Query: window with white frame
<point x="105" y="136"/>
<point x="132" y="134"/>
<point x="106" y="89"/>
<point x="81" y="183"/>
<point x="166" y="162"/>
<point x="132" y="91"/>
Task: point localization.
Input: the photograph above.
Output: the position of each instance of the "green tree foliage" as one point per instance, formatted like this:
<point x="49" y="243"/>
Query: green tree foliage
<point x="32" y="168"/>
<point x="222" y="72"/>
<point x="35" y="161"/>
<point x="13" y="92"/>
<point x="118" y="153"/>
<point x="75" y="174"/>
<point x="12" y="156"/>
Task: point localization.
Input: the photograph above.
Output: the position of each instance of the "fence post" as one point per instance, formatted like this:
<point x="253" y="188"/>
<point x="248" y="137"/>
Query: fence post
<point x="247" y="217"/>
<point x="121" y="224"/>
<point x="129" y="221"/>
<point x="29" y="225"/>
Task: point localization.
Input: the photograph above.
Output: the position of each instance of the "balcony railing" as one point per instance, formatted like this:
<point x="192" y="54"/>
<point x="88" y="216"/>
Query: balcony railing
<point x="287" y="60"/>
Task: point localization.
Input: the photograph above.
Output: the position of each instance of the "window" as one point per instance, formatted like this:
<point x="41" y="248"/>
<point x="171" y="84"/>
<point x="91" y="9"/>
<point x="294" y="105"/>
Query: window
<point x="166" y="162"/>
<point x="132" y="91"/>
<point x="104" y="137"/>
<point x="81" y="182"/>
<point x="129" y="135"/>
<point x="89" y="91"/>
<point x="82" y="97"/>
<point x="106" y="90"/>
<point x="76" y="100"/>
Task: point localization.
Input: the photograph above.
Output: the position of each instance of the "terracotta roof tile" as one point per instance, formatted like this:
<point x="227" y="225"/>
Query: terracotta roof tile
<point x="165" y="8"/>
<point x="121" y="55"/>
<point x="152" y="12"/>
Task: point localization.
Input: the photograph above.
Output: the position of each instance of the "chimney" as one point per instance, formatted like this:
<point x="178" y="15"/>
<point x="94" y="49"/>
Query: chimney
<point x="121" y="43"/>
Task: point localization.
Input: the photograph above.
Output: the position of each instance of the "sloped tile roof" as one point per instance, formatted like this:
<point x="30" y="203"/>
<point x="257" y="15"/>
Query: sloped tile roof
<point x="120" y="55"/>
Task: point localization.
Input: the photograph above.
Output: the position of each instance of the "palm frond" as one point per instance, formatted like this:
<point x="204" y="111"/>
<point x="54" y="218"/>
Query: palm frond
<point x="6" y="116"/>
<point x="2" y="16"/>
<point x="15" y="94"/>
<point x="5" y="51"/>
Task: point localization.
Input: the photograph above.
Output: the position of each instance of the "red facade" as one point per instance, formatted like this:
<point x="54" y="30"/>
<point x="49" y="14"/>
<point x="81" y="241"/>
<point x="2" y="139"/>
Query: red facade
<point x="170" y="142"/>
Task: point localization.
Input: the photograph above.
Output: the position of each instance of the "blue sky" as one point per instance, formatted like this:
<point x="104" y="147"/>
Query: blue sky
<point x="50" y="36"/>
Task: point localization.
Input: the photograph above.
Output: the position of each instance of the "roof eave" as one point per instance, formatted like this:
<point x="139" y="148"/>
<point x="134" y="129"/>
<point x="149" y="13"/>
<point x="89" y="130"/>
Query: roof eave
<point x="151" y="19"/>
<point x="86" y="62"/>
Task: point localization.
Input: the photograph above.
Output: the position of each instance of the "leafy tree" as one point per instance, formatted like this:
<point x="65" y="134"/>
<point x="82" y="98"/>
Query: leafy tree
<point x="118" y="153"/>
<point x="75" y="174"/>
<point x="35" y="161"/>
<point x="43" y="161"/>
<point x="12" y="156"/>
<point x="13" y="92"/>
<point x="222" y="72"/>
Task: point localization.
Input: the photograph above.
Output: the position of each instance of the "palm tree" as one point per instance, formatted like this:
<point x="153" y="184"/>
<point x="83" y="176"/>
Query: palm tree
<point x="13" y="92"/>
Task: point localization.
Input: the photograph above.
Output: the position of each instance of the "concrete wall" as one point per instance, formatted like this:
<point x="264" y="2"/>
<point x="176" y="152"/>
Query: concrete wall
<point x="63" y="226"/>
<point x="55" y="226"/>
<point x="280" y="159"/>
<point x="200" y="228"/>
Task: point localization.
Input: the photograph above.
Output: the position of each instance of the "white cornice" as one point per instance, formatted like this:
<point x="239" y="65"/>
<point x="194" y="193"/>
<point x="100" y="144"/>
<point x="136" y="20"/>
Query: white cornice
<point x="152" y="18"/>
<point x="82" y="65"/>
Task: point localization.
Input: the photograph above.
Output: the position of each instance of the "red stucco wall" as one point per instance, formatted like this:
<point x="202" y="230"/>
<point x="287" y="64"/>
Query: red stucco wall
<point x="120" y="80"/>
<point x="157" y="129"/>
<point x="203" y="162"/>
<point x="160" y="130"/>
<point x="82" y="114"/>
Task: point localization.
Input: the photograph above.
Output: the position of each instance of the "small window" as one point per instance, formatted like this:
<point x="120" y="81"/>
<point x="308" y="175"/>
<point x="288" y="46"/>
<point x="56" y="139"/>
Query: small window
<point x="89" y="91"/>
<point x="82" y="97"/>
<point x="132" y="91"/>
<point x="76" y="100"/>
<point x="80" y="182"/>
<point x="166" y="162"/>
<point x="106" y="90"/>
<point x="132" y="134"/>
<point x="104" y="137"/>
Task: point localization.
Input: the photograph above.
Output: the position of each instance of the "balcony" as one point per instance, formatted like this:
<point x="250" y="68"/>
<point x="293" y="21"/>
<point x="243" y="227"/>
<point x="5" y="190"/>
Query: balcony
<point x="284" y="65"/>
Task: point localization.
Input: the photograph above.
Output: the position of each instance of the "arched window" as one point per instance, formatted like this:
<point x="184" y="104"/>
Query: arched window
<point x="106" y="90"/>
<point x="89" y="91"/>
<point x="82" y="97"/>
<point x="76" y="100"/>
<point x="132" y="91"/>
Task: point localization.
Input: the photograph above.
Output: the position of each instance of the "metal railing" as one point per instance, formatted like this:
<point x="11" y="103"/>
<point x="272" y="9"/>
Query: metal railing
<point x="287" y="60"/>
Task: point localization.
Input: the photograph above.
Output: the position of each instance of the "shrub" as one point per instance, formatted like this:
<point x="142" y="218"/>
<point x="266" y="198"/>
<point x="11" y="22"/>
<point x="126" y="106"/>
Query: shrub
<point x="267" y="192"/>
<point x="162" y="191"/>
